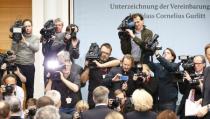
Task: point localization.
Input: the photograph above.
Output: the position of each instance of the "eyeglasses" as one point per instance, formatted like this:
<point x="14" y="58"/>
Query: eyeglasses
<point x="28" y="26"/>
<point x="198" y="63"/>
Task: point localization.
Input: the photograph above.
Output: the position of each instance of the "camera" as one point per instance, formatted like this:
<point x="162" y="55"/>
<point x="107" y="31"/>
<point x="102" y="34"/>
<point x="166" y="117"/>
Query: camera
<point x="48" y="30"/>
<point x="151" y="45"/>
<point x="124" y="36"/>
<point x="70" y="34"/>
<point x="3" y="58"/>
<point x="7" y="57"/>
<point x="17" y="30"/>
<point x="72" y="30"/>
<point x="31" y="112"/>
<point x="187" y="65"/>
<point x="11" y="67"/>
<point x="114" y="103"/>
<point x="54" y="67"/>
<point x="7" y="89"/>
<point x="195" y="79"/>
<point x="127" y="23"/>
<point x="93" y="54"/>
<point x="139" y="74"/>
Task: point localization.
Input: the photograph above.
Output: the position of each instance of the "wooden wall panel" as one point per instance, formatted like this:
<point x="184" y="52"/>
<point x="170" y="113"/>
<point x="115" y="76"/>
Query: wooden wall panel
<point x="11" y="10"/>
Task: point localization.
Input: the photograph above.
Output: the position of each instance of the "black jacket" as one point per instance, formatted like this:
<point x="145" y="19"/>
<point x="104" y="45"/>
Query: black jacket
<point x="163" y="71"/>
<point x="141" y="115"/>
<point x="125" y="41"/>
<point x="99" y="112"/>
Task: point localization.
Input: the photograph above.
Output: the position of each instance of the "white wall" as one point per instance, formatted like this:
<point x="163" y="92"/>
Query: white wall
<point x="43" y="10"/>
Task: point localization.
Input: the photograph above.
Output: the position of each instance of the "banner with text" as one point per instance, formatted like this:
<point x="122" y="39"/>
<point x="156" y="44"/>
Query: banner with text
<point x="183" y="25"/>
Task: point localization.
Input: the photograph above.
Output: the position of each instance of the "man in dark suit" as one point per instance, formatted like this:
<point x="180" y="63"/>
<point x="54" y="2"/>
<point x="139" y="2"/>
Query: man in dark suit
<point x="100" y="97"/>
<point x="204" y="111"/>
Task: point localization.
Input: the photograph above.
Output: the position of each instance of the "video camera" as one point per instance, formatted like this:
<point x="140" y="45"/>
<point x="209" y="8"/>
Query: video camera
<point x="8" y="89"/>
<point x="188" y="65"/>
<point x="49" y="30"/>
<point x="93" y="54"/>
<point x="72" y="30"/>
<point x="151" y="45"/>
<point x="32" y="112"/>
<point x="127" y="23"/>
<point x="9" y="59"/>
<point x="54" y="67"/>
<point x="124" y="36"/>
<point x="17" y="30"/>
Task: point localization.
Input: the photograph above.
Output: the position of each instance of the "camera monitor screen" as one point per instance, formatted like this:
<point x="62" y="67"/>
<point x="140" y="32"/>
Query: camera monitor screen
<point x="17" y="30"/>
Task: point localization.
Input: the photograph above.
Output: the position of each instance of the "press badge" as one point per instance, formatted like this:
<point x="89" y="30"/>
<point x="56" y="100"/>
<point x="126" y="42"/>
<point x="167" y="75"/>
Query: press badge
<point x="68" y="100"/>
<point x="103" y="76"/>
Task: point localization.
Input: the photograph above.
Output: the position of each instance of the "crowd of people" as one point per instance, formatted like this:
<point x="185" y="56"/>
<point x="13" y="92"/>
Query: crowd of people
<point x="129" y="88"/>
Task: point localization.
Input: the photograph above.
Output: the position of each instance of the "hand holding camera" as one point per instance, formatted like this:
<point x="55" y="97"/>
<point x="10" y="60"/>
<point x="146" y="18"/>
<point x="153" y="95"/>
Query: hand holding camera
<point x="116" y="77"/>
<point x="120" y="77"/>
<point x="187" y="76"/>
<point x="130" y="32"/>
<point x="8" y="89"/>
<point x="74" y="42"/>
<point x="67" y="36"/>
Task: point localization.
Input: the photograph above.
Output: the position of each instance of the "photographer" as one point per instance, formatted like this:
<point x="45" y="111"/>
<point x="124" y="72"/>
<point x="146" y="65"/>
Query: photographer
<point x="66" y="81"/>
<point x="163" y="72"/>
<point x="96" y="74"/>
<point x="54" y="40"/>
<point x="138" y="36"/>
<point x="11" y="89"/>
<point x="122" y="76"/>
<point x="25" y="55"/>
<point x="204" y="111"/>
<point x="20" y="77"/>
<point x="9" y="67"/>
<point x="71" y="41"/>
<point x="192" y="84"/>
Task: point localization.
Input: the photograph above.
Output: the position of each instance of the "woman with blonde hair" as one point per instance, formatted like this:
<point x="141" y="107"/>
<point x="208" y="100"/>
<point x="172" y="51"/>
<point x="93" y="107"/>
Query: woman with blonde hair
<point x="143" y="103"/>
<point x="114" y="115"/>
<point x="81" y="106"/>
